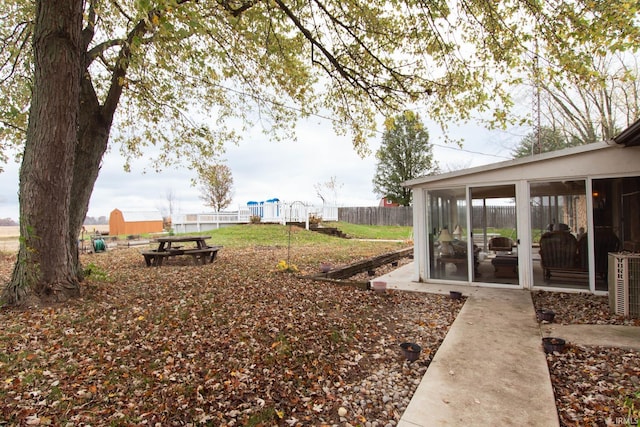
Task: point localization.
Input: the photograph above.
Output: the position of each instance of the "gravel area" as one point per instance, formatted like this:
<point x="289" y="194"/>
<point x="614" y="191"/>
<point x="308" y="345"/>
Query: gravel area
<point x="580" y="308"/>
<point x="593" y="386"/>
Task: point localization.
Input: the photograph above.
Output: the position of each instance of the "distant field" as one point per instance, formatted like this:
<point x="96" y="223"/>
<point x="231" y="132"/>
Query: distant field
<point x="9" y="231"/>
<point x="9" y="236"/>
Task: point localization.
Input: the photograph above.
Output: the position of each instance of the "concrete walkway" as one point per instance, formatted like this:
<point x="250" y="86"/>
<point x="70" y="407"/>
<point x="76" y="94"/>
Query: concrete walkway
<point x="491" y="369"/>
<point x="596" y="335"/>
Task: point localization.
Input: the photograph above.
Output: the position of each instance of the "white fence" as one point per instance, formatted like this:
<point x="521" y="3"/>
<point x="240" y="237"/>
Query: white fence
<point x="269" y="212"/>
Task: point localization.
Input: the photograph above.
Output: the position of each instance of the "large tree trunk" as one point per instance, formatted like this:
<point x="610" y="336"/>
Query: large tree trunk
<point x="95" y="122"/>
<point x="93" y="139"/>
<point x="67" y="137"/>
<point x="45" y="269"/>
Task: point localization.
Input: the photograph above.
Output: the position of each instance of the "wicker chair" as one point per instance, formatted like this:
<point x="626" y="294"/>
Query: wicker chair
<point x="500" y="244"/>
<point x="558" y="251"/>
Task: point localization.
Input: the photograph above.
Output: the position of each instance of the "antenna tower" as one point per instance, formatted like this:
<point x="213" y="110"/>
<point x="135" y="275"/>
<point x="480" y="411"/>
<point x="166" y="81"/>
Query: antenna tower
<point x="537" y="147"/>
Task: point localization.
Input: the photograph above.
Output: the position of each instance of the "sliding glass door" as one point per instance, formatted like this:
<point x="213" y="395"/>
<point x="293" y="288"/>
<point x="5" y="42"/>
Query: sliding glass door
<point x="448" y="244"/>
<point x="495" y="235"/>
<point x="560" y="234"/>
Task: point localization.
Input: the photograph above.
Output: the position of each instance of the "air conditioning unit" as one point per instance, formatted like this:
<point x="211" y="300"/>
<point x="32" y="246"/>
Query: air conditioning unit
<point x="624" y="284"/>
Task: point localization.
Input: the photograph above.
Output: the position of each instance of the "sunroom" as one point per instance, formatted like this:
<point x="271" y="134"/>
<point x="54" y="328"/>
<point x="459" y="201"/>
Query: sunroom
<point x="545" y="222"/>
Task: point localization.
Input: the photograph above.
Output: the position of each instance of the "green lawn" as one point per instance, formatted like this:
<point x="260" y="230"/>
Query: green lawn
<point x="281" y="235"/>
<point x="387" y="232"/>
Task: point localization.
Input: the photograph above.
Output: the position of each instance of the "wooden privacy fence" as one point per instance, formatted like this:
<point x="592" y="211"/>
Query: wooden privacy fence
<point x="376" y="215"/>
<point x="497" y="216"/>
<point x="505" y="216"/>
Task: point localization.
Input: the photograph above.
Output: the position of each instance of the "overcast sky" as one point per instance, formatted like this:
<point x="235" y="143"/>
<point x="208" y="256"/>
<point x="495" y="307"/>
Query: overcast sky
<point x="263" y="170"/>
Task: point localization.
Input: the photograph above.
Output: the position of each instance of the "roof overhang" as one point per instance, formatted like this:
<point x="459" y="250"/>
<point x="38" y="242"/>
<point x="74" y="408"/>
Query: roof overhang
<point x="630" y="136"/>
<point x="516" y="164"/>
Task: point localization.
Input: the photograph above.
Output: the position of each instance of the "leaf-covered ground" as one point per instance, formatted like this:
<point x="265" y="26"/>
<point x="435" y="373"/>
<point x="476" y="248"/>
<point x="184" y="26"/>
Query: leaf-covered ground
<point x="593" y="386"/>
<point x="580" y="308"/>
<point x="231" y="343"/>
<point x="596" y="386"/>
<point x="236" y="343"/>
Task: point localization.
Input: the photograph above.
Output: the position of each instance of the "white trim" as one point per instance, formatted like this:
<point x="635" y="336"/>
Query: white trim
<point x="419" y="229"/>
<point x="519" y="162"/>
<point x="523" y="230"/>
<point x="591" y="253"/>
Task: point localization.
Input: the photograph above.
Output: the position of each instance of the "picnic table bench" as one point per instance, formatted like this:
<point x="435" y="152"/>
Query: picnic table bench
<point x="201" y="254"/>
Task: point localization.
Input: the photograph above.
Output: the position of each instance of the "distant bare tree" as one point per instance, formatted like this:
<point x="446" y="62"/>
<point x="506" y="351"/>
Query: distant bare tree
<point x="456" y="166"/>
<point x="171" y="199"/>
<point x="328" y="188"/>
<point x="597" y="108"/>
<point x="7" y="222"/>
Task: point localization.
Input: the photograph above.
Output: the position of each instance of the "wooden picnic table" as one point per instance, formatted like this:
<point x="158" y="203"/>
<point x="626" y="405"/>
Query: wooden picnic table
<point x="201" y="253"/>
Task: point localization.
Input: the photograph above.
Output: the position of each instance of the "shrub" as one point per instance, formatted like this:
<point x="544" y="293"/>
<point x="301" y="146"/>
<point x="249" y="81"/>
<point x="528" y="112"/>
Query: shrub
<point x="286" y="268"/>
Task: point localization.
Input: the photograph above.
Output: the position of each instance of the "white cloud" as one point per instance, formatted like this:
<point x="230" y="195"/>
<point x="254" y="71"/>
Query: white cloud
<point x="9" y="190"/>
<point x="263" y="170"/>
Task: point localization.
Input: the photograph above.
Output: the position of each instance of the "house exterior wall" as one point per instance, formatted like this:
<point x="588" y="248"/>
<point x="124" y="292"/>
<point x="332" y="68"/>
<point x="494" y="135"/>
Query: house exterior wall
<point x="589" y="162"/>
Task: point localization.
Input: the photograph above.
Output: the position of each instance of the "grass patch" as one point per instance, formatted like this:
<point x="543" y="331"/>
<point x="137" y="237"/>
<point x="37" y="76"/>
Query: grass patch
<point x="247" y="235"/>
<point x="504" y="232"/>
<point x="387" y="232"/>
<point x="282" y="235"/>
<point x="510" y="233"/>
<point x="266" y="416"/>
<point x="276" y="234"/>
<point x="95" y="272"/>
